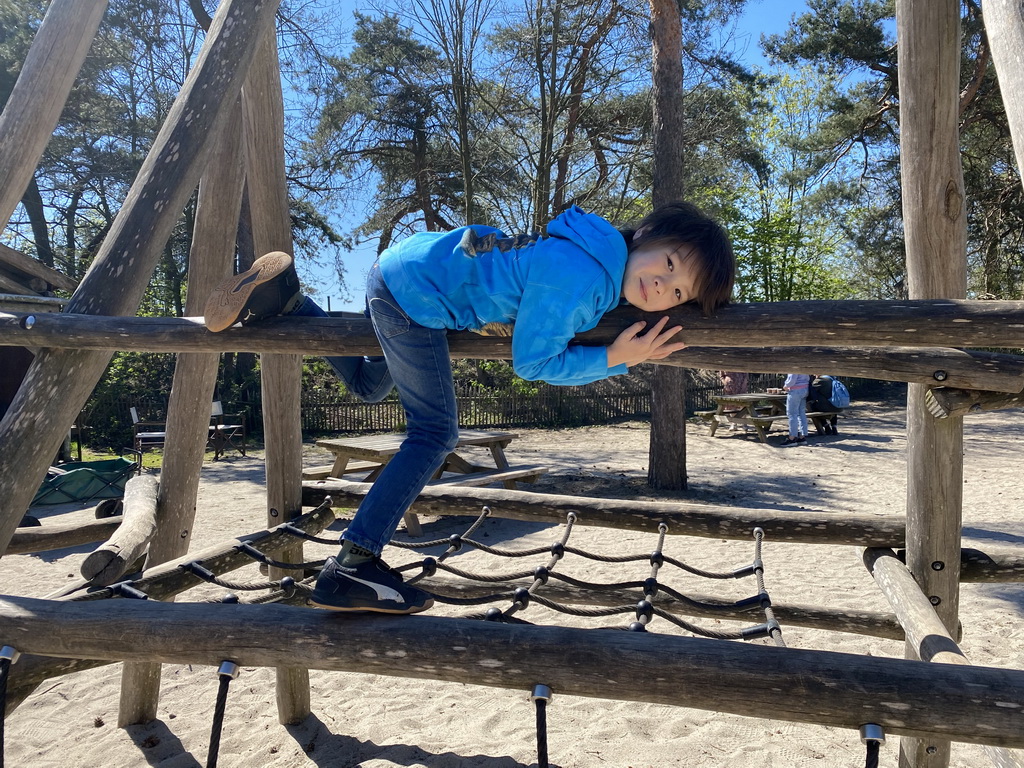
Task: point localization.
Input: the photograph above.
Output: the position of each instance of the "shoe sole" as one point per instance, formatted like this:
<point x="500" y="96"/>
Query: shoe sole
<point x="396" y="611"/>
<point x="229" y="297"/>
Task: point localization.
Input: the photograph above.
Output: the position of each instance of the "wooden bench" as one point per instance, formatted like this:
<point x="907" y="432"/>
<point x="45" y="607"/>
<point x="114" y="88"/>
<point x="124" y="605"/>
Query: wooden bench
<point x="525" y="472"/>
<point x="323" y="471"/>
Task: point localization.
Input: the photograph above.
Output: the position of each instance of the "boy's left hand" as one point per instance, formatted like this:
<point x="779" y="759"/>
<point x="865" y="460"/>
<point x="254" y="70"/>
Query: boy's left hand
<point x="633" y="347"/>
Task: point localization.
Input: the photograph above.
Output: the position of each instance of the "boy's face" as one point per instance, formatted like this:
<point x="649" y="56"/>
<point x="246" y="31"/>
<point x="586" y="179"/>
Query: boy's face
<point x="659" y="277"/>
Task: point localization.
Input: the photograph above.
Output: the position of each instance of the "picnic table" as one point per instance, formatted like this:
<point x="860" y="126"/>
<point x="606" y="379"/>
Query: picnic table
<point x="759" y="410"/>
<point x="370" y="453"/>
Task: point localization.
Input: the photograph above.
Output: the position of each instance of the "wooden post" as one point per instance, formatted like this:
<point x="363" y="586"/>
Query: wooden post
<point x="35" y="103"/>
<point x="928" y="33"/>
<point x="195" y="374"/>
<point x="1004" y="25"/>
<point x="59" y="382"/>
<point x="280" y="374"/>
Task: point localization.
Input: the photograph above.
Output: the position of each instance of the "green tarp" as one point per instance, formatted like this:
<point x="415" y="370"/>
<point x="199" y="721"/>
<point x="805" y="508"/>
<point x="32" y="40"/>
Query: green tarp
<point x="85" y="480"/>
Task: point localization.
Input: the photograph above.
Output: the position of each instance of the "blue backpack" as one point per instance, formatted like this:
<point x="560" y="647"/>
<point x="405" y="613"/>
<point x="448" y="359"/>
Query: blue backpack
<point x="840" y="394"/>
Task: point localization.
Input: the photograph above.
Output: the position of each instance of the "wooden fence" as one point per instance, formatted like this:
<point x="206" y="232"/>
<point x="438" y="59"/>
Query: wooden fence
<point x="328" y="412"/>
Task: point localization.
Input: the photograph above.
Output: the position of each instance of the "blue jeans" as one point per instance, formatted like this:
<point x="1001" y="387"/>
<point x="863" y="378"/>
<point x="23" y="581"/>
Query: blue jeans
<point x="416" y="362"/>
<point x="796" y="410"/>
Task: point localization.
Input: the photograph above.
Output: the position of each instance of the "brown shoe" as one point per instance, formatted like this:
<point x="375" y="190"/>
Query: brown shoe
<point x="269" y="287"/>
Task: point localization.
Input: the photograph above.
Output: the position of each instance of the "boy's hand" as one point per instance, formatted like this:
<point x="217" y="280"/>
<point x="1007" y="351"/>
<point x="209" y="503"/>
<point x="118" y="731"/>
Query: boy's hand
<point x="632" y="347"/>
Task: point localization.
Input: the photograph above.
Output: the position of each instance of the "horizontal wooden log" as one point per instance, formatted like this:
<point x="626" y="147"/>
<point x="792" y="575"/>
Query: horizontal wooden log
<point x="971" y="704"/>
<point x="873" y="623"/>
<point x="111" y="560"/>
<point x="10" y="284"/>
<point x="50" y="536"/>
<point x="683" y="518"/>
<point x="354" y="336"/>
<point x="36" y="268"/>
<point x="948" y="402"/>
<point x="991" y="567"/>
<point x="921" y="323"/>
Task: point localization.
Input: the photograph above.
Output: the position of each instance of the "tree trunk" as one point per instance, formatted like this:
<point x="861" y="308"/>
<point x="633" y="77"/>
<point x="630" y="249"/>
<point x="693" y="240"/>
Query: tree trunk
<point x="666" y="467"/>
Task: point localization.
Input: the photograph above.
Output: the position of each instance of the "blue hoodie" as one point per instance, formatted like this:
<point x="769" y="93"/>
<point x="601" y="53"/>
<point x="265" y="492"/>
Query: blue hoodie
<point x="551" y="289"/>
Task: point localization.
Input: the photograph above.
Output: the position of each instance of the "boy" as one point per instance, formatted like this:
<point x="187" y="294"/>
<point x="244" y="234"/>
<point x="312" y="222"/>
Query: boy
<point x="478" y="279"/>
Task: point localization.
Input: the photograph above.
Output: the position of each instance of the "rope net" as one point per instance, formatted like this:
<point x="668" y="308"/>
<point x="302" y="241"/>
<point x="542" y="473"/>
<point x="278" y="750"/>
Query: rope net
<point x="509" y="591"/>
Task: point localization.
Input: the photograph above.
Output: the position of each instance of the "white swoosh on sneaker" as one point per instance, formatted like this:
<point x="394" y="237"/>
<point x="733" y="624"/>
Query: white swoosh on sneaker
<point x="383" y="593"/>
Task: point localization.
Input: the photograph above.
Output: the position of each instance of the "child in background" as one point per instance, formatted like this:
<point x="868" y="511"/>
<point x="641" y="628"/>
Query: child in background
<point x="540" y="290"/>
<point x="796" y="386"/>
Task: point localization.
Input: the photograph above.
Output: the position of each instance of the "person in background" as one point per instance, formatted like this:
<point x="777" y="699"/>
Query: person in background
<point x="541" y="291"/>
<point x="796" y="387"/>
<point x="734" y="383"/>
<point x="819" y="399"/>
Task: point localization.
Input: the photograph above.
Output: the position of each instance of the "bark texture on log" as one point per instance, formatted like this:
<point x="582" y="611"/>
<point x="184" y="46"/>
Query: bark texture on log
<point x="971" y="704"/>
<point x="682" y="518"/>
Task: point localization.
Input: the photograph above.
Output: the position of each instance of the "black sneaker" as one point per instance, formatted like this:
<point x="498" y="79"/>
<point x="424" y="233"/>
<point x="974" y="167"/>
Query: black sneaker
<point x="369" y="586"/>
<point x="269" y="287"/>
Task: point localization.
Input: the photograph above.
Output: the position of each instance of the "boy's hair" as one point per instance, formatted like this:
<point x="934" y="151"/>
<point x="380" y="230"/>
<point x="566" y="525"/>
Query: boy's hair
<point x="681" y="223"/>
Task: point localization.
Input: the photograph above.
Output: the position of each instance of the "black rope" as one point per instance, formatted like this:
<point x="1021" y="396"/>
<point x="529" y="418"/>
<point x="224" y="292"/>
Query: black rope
<point x="776" y="630"/>
<point x="228" y="671"/>
<point x="871" y="758"/>
<point x="5" y="669"/>
<point x="542" y="733"/>
<point x="518" y="598"/>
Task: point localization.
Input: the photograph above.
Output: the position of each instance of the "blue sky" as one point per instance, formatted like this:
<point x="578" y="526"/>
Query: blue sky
<point x="761" y="17"/>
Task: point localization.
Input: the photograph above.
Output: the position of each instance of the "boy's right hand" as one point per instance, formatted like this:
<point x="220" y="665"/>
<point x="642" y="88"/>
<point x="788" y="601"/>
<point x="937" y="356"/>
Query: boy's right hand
<point x="633" y="347"/>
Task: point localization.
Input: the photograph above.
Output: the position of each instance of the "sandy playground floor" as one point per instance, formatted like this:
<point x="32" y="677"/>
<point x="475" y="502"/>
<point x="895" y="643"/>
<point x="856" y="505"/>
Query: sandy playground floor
<point x="374" y="721"/>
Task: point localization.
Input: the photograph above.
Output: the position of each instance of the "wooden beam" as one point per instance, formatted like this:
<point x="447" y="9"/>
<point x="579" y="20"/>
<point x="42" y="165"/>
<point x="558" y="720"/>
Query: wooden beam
<point x="684" y="519"/>
<point x="899" y="325"/>
<point x="928" y="637"/>
<point x="1004" y="27"/>
<point x="949" y="403"/>
<point x="971" y="704"/>
<point x="110" y="561"/>
<point x="350" y="336"/>
<point x="39" y="417"/>
<point x="36" y="268"/>
<point x="977" y="567"/>
<point x="34" y="106"/>
<point x="281" y="375"/>
<point x="925" y="631"/>
<point x="195" y="375"/>
<point x="50" y="536"/>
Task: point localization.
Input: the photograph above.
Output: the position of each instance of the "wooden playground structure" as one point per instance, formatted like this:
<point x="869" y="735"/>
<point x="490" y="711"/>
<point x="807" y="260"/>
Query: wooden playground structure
<point x="225" y="133"/>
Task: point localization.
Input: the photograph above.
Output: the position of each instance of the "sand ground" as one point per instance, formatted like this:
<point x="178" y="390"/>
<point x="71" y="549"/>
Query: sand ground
<point x="373" y="721"/>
